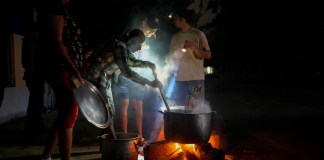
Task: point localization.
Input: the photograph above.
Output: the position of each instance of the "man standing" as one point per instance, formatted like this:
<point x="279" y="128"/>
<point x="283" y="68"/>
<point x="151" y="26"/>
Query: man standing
<point x="188" y="49"/>
<point x="35" y="79"/>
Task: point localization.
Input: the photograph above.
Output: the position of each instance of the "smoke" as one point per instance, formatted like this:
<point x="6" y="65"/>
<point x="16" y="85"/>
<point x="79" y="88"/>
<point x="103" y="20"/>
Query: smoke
<point x="201" y="106"/>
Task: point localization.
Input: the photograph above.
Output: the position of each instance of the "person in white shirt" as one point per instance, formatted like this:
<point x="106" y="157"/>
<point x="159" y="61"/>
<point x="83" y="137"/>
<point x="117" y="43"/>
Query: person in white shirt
<point x="188" y="49"/>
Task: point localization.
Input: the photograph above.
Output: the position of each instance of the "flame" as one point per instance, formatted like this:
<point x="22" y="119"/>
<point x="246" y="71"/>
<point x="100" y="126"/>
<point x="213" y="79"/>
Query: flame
<point x="189" y="146"/>
<point x="179" y="147"/>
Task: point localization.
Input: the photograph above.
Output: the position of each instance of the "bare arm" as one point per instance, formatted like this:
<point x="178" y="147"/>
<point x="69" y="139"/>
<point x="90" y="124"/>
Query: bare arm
<point x="202" y="51"/>
<point x="199" y="53"/>
<point x="126" y="71"/>
<point x="133" y="62"/>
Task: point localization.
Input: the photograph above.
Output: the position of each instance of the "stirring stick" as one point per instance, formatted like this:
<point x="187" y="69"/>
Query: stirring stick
<point x="162" y="94"/>
<point x="164" y="100"/>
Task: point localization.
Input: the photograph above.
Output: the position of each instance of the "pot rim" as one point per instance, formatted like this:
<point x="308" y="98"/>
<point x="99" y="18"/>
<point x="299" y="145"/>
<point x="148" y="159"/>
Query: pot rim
<point x="174" y="111"/>
<point x="89" y="88"/>
<point x="103" y="137"/>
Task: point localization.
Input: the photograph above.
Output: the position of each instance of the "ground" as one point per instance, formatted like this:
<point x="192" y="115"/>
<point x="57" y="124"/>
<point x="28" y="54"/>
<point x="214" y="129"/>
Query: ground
<point x="255" y="122"/>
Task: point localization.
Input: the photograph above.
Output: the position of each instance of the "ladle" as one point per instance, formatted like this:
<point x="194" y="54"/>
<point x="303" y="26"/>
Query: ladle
<point x="162" y="94"/>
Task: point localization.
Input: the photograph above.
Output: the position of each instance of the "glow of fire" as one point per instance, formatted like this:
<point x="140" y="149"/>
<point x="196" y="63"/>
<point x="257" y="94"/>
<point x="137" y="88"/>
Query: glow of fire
<point x="184" y="50"/>
<point x="177" y="145"/>
<point x="140" y="157"/>
<point x="190" y="146"/>
<point x="187" y="146"/>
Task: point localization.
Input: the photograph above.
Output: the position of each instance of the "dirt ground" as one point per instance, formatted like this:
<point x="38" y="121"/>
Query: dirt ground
<point x="255" y="122"/>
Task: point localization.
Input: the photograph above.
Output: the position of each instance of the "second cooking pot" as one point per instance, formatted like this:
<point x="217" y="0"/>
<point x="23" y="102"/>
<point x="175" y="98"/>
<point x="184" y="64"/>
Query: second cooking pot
<point x="185" y="126"/>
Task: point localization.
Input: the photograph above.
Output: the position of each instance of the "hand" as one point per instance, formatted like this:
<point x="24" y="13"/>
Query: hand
<point x="77" y="83"/>
<point x="78" y="76"/>
<point x="190" y="45"/>
<point x="156" y="84"/>
<point x="77" y="79"/>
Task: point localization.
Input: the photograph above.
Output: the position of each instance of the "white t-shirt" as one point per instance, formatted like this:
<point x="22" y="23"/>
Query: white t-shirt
<point x="185" y="64"/>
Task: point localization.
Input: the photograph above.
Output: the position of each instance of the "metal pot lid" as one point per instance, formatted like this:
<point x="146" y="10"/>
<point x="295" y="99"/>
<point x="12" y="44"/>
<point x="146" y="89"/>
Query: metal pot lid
<point x="93" y="105"/>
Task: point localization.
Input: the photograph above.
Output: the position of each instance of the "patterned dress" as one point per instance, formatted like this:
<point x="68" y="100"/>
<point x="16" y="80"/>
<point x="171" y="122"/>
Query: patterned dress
<point x="72" y="37"/>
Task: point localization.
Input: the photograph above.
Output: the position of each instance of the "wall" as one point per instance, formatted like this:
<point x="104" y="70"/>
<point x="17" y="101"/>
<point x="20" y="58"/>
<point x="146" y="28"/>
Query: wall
<point x="17" y="69"/>
<point x="14" y="104"/>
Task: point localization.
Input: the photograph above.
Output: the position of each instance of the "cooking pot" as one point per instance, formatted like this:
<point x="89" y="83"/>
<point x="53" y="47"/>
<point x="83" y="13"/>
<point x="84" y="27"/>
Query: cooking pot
<point x="122" y="148"/>
<point x="186" y="126"/>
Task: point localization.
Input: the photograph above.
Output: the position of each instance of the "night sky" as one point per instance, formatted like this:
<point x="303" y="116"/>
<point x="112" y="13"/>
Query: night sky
<point x="254" y="41"/>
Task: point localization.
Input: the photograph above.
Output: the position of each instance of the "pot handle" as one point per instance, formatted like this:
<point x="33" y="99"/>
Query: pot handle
<point x="99" y="138"/>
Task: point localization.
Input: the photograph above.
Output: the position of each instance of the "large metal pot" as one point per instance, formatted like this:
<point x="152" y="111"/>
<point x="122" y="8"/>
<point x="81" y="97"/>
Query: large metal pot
<point x="122" y="148"/>
<point x="185" y="126"/>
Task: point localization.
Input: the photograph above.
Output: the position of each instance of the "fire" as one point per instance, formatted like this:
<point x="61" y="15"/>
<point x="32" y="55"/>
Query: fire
<point x="177" y="146"/>
<point x="189" y="146"/>
<point x="180" y="147"/>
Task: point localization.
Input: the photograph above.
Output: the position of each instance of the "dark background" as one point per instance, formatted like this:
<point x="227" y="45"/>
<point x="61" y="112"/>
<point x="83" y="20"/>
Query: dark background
<point x="268" y="56"/>
<point x="252" y="41"/>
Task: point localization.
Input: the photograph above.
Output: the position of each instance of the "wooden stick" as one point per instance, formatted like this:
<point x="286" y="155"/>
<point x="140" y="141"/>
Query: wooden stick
<point x="164" y="100"/>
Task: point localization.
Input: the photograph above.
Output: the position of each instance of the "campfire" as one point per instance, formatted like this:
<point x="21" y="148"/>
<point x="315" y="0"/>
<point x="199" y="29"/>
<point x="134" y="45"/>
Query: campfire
<point x="167" y="150"/>
<point x="171" y="146"/>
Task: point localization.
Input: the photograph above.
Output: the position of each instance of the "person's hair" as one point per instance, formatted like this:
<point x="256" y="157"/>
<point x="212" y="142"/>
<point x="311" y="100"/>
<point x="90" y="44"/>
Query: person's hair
<point x="188" y="15"/>
<point x="137" y="33"/>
